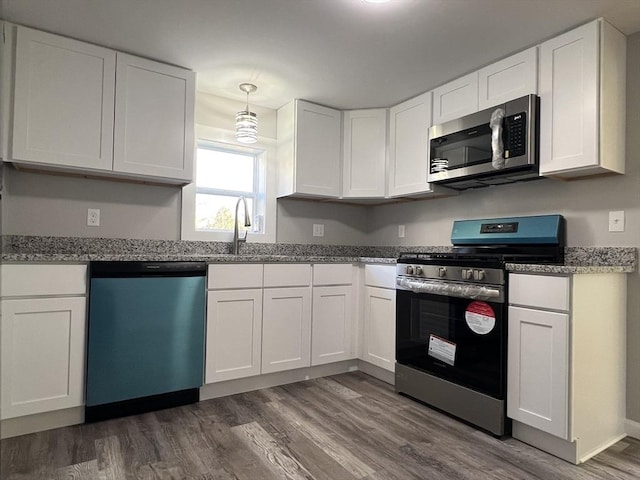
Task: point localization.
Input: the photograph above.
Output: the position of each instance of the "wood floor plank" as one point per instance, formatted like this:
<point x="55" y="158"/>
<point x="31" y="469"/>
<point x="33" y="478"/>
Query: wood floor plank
<point x="109" y="459"/>
<point x="79" y="471"/>
<point x="275" y="457"/>
<point x="325" y="441"/>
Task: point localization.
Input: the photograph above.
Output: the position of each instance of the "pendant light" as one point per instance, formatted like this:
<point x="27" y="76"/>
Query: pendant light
<point x="246" y="121"/>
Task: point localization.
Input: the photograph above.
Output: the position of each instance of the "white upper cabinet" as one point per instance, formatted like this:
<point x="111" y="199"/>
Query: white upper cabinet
<point x="508" y="79"/>
<point x="582" y="102"/>
<point x="409" y="124"/>
<point x="69" y="115"/>
<point x="365" y="153"/>
<point x="154" y="112"/>
<point x="455" y="99"/>
<point x="308" y="150"/>
<point x="63" y="101"/>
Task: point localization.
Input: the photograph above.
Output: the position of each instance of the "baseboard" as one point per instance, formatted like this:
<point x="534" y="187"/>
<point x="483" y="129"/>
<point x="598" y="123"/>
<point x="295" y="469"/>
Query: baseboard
<point x="13" y="427"/>
<point x="632" y="428"/>
<point x="377" y="372"/>
<point x="242" y="385"/>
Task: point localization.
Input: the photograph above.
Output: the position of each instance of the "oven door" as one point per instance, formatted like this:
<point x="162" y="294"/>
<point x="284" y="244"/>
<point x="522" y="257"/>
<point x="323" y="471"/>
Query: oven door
<point x="456" y="331"/>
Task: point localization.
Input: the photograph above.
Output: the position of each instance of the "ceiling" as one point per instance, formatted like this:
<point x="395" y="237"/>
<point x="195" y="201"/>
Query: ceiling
<point x="342" y="53"/>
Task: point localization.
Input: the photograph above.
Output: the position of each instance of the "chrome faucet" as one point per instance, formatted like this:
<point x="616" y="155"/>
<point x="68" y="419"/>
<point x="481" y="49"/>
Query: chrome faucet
<point x="247" y="223"/>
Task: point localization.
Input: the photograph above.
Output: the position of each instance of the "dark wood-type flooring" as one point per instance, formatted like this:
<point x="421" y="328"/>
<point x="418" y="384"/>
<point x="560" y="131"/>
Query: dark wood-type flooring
<point x="348" y="426"/>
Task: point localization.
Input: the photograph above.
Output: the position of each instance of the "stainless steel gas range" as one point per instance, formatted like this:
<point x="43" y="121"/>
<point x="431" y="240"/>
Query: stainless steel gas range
<point x="451" y="315"/>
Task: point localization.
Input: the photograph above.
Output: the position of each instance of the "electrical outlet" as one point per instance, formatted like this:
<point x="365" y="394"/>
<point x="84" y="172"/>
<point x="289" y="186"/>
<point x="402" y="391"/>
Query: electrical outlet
<point x="400" y="231"/>
<point x="93" y="217"/>
<point x="616" y="221"/>
<point x="318" y="229"/>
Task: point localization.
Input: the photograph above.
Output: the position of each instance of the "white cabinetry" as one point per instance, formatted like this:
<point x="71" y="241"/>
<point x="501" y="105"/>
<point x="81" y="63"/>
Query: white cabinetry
<point x="68" y="114"/>
<point x="455" y="99"/>
<point x="409" y="124"/>
<point x="508" y="79"/>
<point x="365" y="153"/>
<point x="234" y="322"/>
<point x="154" y="112"/>
<point x="63" y="101"/>
<point x="309" y="149"/>
<point x="286" y="317"/>
<point x="566" y="362"/>
<point x="582" y="101"/>
<point x="333" y="313"/>
<point x="379" y="342"/>
<point x="42" y="338"/>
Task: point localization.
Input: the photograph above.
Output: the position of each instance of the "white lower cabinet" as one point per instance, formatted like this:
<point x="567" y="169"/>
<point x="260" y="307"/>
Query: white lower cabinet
<point x="42" y="339"/>
<point x="379" y="327"/>
<point x="538" y="392"/>
<point x="566" y="378"/>
<point x="234" y="334"/>
<point x="332" y="324"/>
<point x="286" y="328"/>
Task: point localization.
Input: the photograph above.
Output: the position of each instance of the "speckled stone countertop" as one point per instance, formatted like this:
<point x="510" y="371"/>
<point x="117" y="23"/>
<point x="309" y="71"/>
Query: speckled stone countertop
<point x="75" y="249"/>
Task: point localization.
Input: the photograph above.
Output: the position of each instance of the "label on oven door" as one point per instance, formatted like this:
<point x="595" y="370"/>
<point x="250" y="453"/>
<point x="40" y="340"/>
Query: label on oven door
<point x="480" y="317"/>
<point x="442" y="349"/>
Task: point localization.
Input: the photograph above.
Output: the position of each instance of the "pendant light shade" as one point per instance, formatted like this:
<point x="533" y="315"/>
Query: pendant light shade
<point x="246" y="121"/>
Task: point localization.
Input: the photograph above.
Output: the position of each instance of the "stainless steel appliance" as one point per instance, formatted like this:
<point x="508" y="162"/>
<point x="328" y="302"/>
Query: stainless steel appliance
<point x="494" y="146"/>
<point x="451" y="315"/>
<point x="145" y="349"/>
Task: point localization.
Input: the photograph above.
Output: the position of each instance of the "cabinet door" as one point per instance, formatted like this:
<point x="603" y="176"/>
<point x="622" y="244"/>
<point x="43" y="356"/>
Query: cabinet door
<point x="538" y="366"/>
<point x="286" y="329"/>
<point x="365" y="140"/>
<point x="63" y="101"/>
<point x="409" y="125"/>
<point x="569" y="100"/>
<point x="380" y="327"/>
<point x="317" y="150"/>
<point x="43" y="355"/>
<point x="455" y="99"/>
<point x="234" y="334"/>
<point x="508" y="79"/>
<point x="154" y="119"/>
<point x="332" y="322"/>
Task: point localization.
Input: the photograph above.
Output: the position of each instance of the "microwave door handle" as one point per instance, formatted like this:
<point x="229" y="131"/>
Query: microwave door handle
<point x="497" y="147"/>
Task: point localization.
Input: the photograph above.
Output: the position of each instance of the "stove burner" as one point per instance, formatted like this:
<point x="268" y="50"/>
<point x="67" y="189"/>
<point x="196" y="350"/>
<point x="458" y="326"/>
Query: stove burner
<point x="490" y="254"/>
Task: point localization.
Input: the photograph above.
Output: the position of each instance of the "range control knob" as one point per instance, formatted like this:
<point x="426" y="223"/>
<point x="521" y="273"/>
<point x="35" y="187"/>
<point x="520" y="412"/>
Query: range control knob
<point x="409" y="269"/>
<point x="478" y="275"/>
<point x="467" y="274"/>
<point x="418" y="270"/>
<point x="442" y="271"/>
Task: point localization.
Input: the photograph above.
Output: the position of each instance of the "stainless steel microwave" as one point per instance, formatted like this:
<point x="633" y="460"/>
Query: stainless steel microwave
<point x="491" y="147"/>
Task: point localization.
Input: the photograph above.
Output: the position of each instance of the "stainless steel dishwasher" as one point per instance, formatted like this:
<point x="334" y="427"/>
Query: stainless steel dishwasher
<point x="145" y="348"/>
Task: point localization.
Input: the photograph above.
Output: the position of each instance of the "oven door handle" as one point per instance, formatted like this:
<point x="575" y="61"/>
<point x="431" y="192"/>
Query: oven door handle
<point x="452" y="289"/>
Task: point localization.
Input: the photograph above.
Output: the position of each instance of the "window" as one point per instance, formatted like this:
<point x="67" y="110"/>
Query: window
<point x="222" y="177"/>
<point x="224" y="172"/>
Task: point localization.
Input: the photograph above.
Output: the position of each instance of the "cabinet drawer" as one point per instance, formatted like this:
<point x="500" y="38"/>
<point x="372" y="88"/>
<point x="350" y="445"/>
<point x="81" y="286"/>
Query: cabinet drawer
<point x="542" y="291"/>
<point x="383" y="276"/>
<point x="32" y="280"/>
<point x="287" y="275"/>
<point x="233" y="275"/>
<point x="333" y="274"/>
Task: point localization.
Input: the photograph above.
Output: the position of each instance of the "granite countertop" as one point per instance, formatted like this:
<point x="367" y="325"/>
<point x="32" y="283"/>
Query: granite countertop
<point x="74" y="249"/>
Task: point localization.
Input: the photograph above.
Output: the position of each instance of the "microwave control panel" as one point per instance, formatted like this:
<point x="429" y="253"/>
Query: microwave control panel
<point x="515" y="128"/>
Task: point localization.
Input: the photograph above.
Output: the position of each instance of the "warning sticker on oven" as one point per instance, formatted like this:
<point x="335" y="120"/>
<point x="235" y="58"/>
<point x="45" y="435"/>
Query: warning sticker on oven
<point x="480" y="317"/>
<point x="442" y="349"/>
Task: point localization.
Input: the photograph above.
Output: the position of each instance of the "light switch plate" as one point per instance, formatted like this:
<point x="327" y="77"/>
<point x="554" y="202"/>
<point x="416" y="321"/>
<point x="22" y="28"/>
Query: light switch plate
<point x="400" y="231"/>
<point x="318" y="229"/>
<point x="616" y="221"/>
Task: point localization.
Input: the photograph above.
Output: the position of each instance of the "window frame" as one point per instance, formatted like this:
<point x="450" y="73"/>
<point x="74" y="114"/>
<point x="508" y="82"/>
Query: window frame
<point x="265" y="152"/>
<point x="254" y="195"/>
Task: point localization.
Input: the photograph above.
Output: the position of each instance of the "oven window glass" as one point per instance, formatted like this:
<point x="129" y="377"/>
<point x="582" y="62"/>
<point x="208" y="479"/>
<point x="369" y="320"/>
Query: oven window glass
<point x="456" y="339"/>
